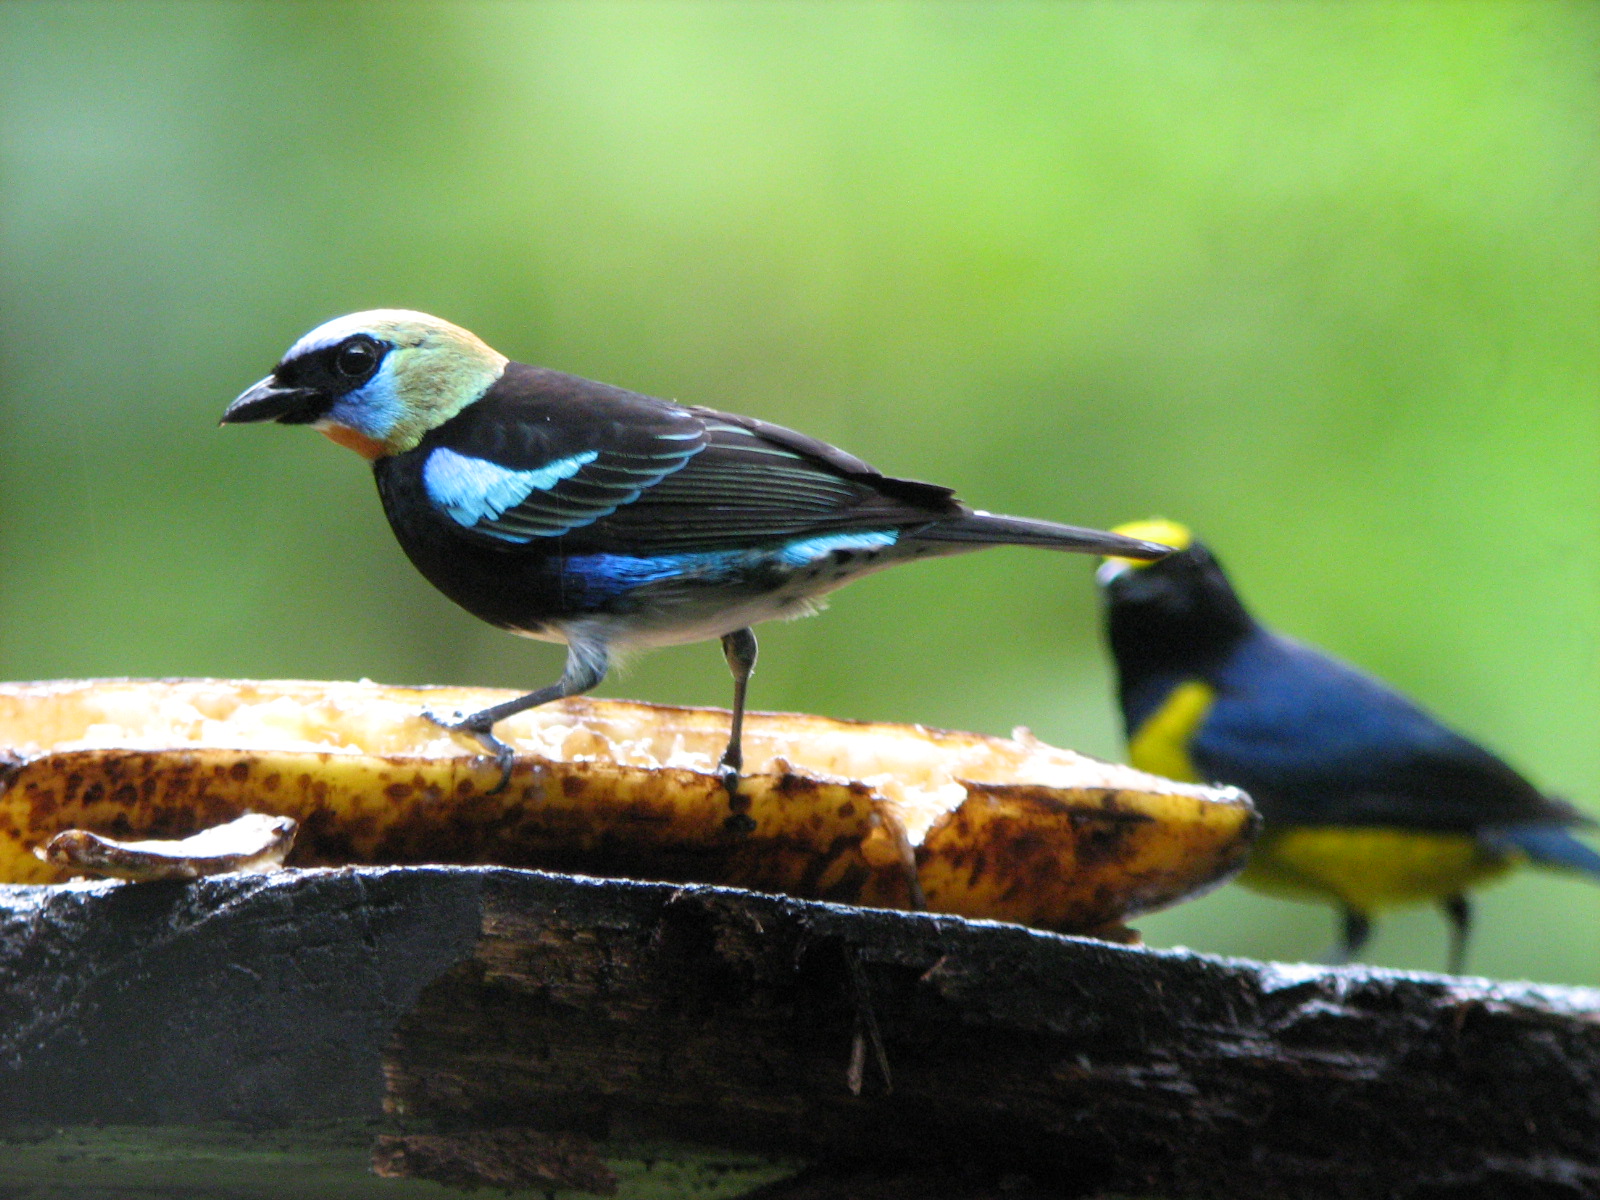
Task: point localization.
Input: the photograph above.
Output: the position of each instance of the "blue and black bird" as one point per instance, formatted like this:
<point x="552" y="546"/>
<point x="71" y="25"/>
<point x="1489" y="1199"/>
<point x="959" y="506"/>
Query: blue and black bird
<point x="575" y="512"/>
<point x="1367" y="801"/>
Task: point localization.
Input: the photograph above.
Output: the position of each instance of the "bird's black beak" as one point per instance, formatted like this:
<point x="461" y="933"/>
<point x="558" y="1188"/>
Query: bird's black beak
<point x="270" y="400"/>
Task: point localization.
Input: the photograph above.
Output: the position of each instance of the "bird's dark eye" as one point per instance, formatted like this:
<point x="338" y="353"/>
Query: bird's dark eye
<point x="356" y="358"/>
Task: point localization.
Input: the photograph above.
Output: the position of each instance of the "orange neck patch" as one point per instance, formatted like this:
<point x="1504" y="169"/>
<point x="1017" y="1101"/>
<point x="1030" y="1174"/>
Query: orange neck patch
<point x="350" y="439"/>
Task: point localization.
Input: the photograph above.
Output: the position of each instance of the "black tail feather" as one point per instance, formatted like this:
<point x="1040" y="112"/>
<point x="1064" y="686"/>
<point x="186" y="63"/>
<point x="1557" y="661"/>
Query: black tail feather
<point x="989" y="529"/>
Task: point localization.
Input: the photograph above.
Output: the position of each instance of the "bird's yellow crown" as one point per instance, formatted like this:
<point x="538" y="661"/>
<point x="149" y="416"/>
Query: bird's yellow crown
<point x="1155" y="529"/>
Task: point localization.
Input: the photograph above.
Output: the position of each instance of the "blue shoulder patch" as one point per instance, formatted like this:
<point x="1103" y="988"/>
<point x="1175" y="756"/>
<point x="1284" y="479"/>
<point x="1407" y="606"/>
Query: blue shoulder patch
<point x="470" y="490"/>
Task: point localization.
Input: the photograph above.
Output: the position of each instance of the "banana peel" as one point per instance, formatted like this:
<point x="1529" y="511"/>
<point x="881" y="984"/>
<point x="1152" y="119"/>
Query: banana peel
<point x="254" y="844"/>
<point x="858" y="812"/>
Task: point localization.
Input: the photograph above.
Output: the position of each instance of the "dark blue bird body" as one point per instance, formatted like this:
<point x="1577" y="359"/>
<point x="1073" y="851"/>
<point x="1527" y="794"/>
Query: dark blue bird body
<point x="643" y="522"/>
<point x="1315" y="741"/>
<point x="1367" y="799"/>
<point x="573" y="511"/>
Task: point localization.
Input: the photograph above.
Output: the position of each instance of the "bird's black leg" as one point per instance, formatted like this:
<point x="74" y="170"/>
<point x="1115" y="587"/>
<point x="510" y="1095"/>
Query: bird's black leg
<point x="586" y="667"/>
<point x="739" y="648"/>
<point x="1357" y="929"/>
<point x="1459" y="910"/>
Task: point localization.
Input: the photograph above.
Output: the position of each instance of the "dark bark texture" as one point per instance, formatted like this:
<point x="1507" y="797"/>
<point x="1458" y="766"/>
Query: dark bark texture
<point x="518" y="1025"/>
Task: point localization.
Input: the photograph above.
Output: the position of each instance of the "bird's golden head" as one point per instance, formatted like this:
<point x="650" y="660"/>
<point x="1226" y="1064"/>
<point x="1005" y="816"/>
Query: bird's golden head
<point x="374" y="381"/>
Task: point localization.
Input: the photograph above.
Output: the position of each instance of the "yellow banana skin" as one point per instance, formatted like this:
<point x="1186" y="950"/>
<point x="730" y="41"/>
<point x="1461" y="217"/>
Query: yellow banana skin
<point x="1001" y="828"/>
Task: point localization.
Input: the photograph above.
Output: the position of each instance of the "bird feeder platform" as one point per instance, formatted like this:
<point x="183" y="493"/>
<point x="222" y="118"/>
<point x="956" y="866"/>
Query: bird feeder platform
<point x="290" y="1034"/>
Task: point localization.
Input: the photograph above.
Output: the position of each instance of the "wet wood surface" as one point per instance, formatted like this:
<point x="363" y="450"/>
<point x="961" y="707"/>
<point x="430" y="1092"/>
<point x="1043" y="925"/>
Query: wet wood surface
<point x="520" y="1029"/>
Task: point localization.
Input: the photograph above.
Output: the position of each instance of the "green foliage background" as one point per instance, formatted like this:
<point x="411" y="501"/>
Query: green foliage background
<point x="1319" y="279"/>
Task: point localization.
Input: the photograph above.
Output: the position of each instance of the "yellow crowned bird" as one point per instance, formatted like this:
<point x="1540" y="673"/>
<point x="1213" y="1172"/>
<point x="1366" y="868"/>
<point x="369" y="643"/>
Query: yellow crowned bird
<point x="1369" y="802"/>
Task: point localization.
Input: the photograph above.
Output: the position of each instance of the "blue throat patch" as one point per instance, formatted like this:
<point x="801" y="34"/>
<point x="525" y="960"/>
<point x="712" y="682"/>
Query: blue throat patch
<point x="373" y="409"/>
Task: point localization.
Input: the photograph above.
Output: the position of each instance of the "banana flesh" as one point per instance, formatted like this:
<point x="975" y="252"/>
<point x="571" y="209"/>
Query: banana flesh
<point x="1005" y="828"/>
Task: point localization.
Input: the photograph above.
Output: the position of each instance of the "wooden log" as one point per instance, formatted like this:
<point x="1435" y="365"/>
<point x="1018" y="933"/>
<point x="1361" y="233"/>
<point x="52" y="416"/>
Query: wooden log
<point x="500" y="1017"/>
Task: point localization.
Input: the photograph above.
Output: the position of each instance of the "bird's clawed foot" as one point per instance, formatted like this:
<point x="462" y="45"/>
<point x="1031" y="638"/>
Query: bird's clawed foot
<point x="482" y="730"/>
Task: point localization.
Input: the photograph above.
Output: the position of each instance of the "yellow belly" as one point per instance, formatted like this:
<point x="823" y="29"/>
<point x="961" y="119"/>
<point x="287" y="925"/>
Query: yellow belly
<point x="1367" y="869"/>
<point x="1161" y="744"/>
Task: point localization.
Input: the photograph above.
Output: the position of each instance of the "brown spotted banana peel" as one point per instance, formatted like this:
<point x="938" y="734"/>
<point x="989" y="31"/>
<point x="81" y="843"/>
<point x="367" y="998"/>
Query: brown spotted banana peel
<point x="1006" y="828"/>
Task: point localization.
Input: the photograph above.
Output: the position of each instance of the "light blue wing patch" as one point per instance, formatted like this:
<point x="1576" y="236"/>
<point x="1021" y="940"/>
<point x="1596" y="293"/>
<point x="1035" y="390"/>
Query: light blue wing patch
<point x="798" y="554"/>
<point x="470" y="490"/>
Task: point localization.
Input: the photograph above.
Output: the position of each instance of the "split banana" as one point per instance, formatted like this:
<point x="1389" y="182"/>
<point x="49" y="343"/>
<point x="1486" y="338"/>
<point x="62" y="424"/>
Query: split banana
<point x="857" y="812"/>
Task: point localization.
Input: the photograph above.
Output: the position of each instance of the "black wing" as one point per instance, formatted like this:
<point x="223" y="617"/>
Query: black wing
<point x="544" y="455"/>
<point x="757" y="483"/>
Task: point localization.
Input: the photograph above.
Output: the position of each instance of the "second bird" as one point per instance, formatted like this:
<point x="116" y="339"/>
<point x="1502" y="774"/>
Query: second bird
<point x="575" y="512"/>
<point x="1368" y="801"/>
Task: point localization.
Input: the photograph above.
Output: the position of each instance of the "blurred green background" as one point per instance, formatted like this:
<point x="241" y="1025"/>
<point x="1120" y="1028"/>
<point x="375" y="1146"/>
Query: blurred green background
<point x="1322" y="280"/>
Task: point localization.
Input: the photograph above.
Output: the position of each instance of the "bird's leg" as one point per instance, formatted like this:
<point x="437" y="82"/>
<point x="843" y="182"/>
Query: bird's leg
<point x="739" y="648"/>
<point x="586" y="667"/>
<point x="1459" y="911"/>
<point x="1357" y="929"/>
